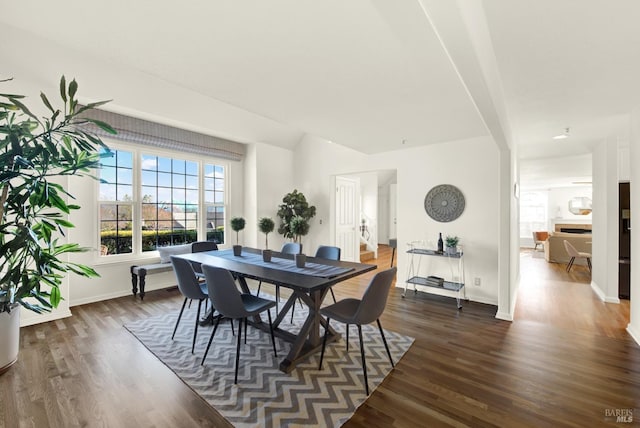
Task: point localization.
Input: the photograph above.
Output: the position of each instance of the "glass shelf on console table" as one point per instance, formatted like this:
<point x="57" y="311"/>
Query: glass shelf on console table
<point x="414" y="277"/>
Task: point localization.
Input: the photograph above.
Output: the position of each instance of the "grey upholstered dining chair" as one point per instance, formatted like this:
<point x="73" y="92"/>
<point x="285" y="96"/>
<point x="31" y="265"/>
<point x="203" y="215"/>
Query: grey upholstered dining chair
<point x="200" y="247"/>
<point x="360" y="312"/>
<point x="575" y="254"/>
<point x="330" y="253"/>
<point x="230" y="303"/>
<point x="190" y="288"/>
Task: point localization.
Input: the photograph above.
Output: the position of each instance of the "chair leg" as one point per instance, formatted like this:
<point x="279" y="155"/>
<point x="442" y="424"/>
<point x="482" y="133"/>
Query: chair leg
<point x="195" y="331"/>
<point x="277" y="298"/>
<point x="245" y="331"/>
<point x="364" y="361"/>
<point x="324" y="343"/>
<point x="347" y="330"/>
<point x="235" y="381"/>
<point x="179" y="316"/>
<point x="589" y="263"/>
<point x="213" y="333"/>
<point x="384" y="340"/>
<point x="259" y="285"/>
<point x="570" y="264"/>
<point x="273" y="338"/>
<point x="332" y="294"/>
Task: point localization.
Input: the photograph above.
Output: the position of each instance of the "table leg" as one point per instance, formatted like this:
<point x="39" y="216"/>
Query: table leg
<point x="309" y="340"/>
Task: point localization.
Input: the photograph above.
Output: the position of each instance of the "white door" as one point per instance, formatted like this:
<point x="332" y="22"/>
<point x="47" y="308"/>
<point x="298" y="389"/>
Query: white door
<point x="392" y="211"/>
<point x="347" y="218"/>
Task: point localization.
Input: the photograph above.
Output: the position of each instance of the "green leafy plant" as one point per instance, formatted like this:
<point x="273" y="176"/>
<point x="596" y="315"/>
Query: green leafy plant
<point x="452" y="241"/>
<point x="33" y="153"/>
<point x="299" y="226"/>
<point x="237" y="224"/>
<point x="266" y="226"/>
<point x="293" y="205"/>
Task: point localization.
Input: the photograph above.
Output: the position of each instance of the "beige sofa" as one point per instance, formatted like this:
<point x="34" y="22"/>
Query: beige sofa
<point x="554" y="251"/>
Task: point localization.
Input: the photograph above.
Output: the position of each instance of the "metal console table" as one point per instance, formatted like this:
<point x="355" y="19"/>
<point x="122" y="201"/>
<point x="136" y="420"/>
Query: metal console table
<point x="416" y="252"/>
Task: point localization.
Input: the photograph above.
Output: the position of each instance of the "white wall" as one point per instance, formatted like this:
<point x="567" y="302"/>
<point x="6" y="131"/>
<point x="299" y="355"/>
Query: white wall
<point x="634" y="324"/>
<point x="383" y="213"/>
<point x="604" y="247"/>
<point x="474" y="171"/>
<point x="274" y="179"/>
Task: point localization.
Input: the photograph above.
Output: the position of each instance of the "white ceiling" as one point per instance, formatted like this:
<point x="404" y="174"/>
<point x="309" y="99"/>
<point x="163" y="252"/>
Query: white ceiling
<point x="373" y="75"/>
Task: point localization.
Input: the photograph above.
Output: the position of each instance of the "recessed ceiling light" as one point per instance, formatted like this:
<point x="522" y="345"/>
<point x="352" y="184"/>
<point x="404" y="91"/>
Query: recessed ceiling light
<point x="562" y="136"/>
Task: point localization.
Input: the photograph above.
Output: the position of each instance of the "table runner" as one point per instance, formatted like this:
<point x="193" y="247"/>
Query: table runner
<point x="313" y="269"/>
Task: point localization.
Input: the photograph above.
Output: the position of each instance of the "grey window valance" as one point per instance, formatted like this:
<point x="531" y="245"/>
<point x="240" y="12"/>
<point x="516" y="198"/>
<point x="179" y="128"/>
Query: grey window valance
<point x="139" y="131"/>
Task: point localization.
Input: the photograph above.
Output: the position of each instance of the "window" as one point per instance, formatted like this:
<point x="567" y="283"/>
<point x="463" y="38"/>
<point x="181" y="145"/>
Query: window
<point x="151" y="201"/>
<point x="214" y="201"/>
<point x="533" y="213"/>
<point x="116" y="203"/>
<point x="169" y="196"/>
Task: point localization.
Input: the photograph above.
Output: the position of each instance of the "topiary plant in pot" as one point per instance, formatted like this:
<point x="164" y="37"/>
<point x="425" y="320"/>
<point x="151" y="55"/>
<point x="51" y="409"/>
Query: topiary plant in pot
<point x="237" y="224"/>
<point x="34" y="153"/>
<point x="266" y="226"/>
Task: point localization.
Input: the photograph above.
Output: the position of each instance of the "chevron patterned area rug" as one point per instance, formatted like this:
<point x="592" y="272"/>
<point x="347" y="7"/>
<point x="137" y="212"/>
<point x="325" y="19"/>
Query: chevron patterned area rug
<point x="265" y="396"/>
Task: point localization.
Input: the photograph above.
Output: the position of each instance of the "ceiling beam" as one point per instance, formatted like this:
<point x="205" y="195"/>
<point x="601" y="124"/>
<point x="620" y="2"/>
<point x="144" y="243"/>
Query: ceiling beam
<point x="462" y="28"/>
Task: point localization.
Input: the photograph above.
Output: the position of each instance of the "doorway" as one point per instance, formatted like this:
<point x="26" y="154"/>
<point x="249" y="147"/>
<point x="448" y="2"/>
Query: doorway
<point x="372" y="194"/>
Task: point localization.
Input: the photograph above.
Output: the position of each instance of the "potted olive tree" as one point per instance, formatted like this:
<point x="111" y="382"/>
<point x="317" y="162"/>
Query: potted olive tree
<point x="34" y="152"/>
<point x="237" y="224"/>
<point x="293" y="205"/>
<point x="266" y="226"/>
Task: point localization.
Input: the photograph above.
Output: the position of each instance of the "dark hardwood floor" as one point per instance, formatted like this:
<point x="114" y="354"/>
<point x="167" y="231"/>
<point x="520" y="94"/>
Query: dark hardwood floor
<point x="565" y="360"/>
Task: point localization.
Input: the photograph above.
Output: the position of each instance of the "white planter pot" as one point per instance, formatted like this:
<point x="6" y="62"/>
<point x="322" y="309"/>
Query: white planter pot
<point x="9" y="338"/>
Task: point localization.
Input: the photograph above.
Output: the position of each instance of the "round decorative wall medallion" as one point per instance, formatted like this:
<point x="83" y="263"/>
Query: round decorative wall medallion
<point x="444" y="203"/>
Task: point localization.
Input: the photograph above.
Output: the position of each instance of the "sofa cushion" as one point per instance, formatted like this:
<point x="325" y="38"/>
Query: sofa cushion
<point x="173" y="250"/>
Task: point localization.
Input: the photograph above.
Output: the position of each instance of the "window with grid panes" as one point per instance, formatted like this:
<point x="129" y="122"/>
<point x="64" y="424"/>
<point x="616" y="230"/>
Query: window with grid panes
<point x="214" y="202"/>
<point x="168" y="202"/>
<point x="116" y="203"/>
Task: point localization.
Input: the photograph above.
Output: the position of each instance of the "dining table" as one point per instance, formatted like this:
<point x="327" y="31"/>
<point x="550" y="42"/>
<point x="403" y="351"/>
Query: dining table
<point x="310" y="284"/>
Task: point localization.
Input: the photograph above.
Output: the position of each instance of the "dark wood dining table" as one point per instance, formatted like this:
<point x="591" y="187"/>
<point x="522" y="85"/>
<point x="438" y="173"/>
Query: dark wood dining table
<point x="309" y="284"/>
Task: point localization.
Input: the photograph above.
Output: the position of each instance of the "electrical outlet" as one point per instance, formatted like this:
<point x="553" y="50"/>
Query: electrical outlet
<point x="476" y="281"/>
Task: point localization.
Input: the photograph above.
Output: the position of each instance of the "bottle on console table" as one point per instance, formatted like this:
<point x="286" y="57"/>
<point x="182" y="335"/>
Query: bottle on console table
<point x="440" y="244"/>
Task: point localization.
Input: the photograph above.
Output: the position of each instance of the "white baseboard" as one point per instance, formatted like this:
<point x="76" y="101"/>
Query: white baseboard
<point x="596" y="289"/>
<point x="504" y="316"/>
<point x="52" y="316"/>
<point x="634" y="334"/>
<point x="601" y="294"/>
<point x="101" y="297"/>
